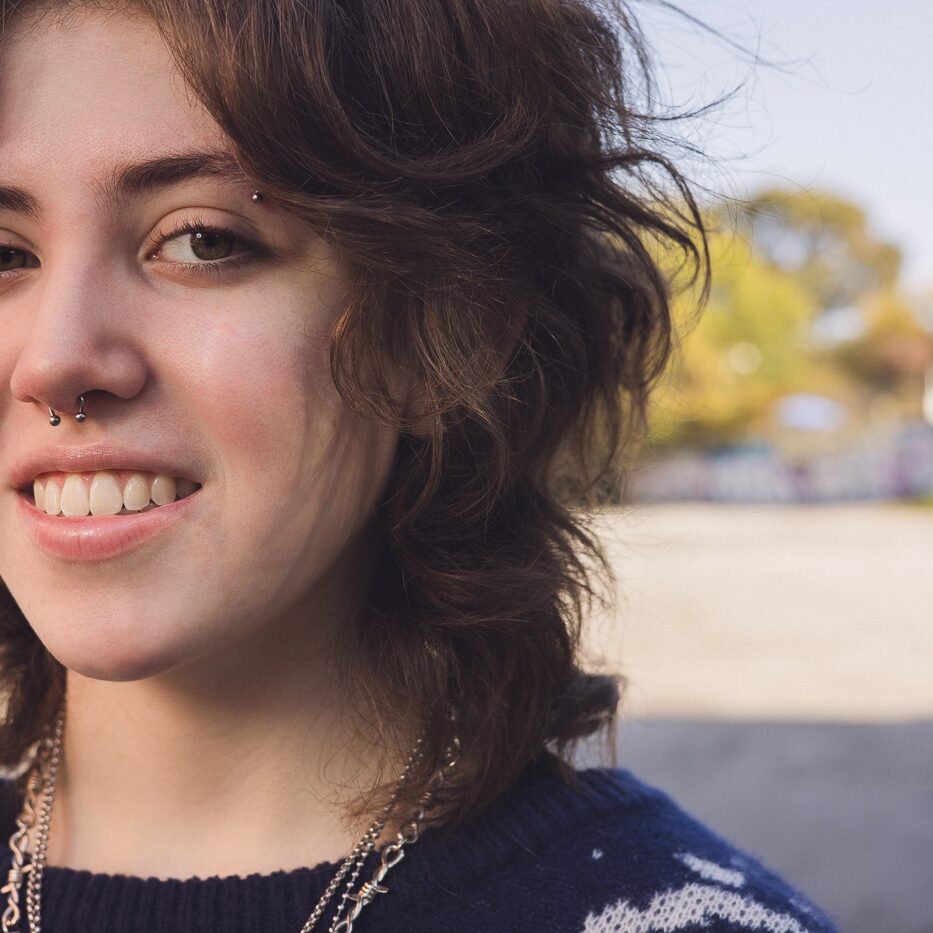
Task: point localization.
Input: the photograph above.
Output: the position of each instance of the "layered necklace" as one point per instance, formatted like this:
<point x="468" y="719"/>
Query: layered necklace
<point x="41" y="785"/>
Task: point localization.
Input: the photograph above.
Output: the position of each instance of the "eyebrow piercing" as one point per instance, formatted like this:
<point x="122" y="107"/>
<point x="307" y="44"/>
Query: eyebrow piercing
<point x="257" y="196"/>
<point x="56" y="420"/>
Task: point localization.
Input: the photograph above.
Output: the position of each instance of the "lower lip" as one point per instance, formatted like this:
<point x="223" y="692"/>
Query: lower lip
<point x="100" y="537"/>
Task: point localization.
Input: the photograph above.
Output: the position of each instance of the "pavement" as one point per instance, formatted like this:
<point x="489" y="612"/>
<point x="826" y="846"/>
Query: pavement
<point x="779" y="666"/>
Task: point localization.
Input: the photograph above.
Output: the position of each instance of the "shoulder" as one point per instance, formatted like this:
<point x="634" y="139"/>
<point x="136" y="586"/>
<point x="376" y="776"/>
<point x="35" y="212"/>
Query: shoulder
<point x="606" y="853"/>
<point x="655" y="866"/>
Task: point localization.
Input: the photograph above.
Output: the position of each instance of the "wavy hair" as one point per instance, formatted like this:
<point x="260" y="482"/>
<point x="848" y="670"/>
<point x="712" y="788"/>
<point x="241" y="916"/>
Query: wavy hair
<point x="502" y="195"/>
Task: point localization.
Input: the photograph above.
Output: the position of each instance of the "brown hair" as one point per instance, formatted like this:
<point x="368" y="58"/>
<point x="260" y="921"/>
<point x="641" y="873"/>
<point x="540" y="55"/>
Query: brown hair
<point x="500" y="199"/>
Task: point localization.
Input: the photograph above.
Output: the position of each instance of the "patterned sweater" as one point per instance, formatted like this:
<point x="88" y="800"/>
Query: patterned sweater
<point x="613" y="855"/>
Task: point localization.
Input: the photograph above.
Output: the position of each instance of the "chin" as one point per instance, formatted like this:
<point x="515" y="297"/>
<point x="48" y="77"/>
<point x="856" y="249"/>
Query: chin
<point x="119" y="647"/>
<point x="116" y="663"/>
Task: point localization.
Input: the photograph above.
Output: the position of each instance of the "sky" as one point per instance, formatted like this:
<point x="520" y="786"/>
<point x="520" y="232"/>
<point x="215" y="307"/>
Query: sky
<point x="847" y="105"/>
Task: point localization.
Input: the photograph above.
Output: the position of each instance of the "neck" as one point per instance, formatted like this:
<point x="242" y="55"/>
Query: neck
<point x="241" y="762"/>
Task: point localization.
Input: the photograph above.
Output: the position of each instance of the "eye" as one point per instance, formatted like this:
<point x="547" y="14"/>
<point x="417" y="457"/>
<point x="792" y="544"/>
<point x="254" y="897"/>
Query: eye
<point x="199" y="247"/>
<point x="12" y="259"/>
<point x="205" y="244"/>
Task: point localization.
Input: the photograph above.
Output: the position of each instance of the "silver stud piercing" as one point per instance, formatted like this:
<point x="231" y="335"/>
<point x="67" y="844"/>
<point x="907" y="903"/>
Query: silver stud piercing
<point x="257" y="196"/>
<point x="55" y="420"/>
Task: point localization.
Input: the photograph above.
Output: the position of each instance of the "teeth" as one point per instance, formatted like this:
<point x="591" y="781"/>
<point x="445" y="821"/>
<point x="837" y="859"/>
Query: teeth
<point x="75" y="498"/>
<point x="103" y="495"/>
<point x="53" y="498"/>
<point x="163" y="490"/>
<point x="106" y="497"/>
<point x="136" y="493"/>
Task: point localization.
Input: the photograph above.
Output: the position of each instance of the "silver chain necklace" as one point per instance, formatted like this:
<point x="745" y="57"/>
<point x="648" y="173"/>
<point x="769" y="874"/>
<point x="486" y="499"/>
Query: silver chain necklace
<point x="42" y="779"/>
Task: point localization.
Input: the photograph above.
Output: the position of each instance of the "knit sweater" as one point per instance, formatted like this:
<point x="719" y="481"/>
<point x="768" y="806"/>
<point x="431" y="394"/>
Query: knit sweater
<point x="613" y="855"/>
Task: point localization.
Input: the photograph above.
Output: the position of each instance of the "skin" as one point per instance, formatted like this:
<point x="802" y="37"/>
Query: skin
<point x="206" y="731"/>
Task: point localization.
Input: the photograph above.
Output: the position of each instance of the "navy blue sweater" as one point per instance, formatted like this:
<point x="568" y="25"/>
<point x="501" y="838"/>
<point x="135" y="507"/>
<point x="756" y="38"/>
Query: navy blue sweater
<point x="614" y="856"/>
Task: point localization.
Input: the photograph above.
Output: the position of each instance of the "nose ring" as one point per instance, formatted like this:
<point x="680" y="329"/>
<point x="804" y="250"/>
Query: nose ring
<point x="55" y="420"/>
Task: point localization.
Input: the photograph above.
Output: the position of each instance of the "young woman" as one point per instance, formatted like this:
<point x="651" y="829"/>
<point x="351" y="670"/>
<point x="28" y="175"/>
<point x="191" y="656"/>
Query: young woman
<point x="317" y="317"/>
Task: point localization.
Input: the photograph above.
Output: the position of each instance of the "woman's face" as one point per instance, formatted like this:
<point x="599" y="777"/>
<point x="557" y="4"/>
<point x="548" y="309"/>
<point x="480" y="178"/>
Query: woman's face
<point x="209" y="354"/>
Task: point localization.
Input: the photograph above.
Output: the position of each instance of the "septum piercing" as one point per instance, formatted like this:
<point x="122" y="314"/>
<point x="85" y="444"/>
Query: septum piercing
<point x="55" y="420"/>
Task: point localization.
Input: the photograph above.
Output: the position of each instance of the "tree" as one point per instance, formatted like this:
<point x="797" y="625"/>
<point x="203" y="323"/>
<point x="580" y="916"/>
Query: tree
<point x="822" y="239"/>
<point x="748" y="347"/>
<point x="783" y="262"/>
<point x="894" y="351"/>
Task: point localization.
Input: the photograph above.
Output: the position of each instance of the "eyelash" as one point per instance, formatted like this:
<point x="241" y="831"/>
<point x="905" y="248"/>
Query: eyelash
<point x="209" y="267"/>
<point x="214" y="267"/>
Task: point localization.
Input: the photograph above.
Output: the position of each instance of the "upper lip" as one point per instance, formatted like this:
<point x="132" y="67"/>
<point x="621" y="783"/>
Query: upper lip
<point x="94" y="457"/>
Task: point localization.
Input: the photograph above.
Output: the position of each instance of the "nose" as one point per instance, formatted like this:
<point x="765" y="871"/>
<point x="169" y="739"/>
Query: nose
<point x="75" y="343"/>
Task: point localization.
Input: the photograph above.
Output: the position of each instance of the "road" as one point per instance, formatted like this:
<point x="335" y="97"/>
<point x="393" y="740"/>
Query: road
<point x="738" y="612"/>
<point x="780" y="688"/>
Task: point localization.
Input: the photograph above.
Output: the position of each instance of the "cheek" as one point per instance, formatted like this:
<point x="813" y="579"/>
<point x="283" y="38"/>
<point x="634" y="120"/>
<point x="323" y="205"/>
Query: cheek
<point x="14" y="335"/>
<point x="259" y="392"/>
<point x="273" y="416"/>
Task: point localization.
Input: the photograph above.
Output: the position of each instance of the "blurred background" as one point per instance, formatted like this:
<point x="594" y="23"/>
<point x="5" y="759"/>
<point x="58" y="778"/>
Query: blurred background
<point x="775" y="594"/>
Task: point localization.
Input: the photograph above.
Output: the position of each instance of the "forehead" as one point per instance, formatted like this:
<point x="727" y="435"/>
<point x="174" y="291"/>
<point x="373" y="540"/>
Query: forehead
<point x="83" y="96"/>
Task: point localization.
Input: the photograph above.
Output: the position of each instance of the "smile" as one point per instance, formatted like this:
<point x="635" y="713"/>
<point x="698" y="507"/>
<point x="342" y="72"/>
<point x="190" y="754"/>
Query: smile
<point x="107" y="492"/>
<point x="93" y="538"/>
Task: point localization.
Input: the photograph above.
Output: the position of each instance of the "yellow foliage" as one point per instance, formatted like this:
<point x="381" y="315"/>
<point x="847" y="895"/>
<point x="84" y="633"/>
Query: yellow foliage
<point x="747" y="348"/>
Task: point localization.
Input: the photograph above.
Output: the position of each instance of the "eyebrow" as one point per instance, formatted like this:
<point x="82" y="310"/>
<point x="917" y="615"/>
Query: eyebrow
<point x="138" y="179"/>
